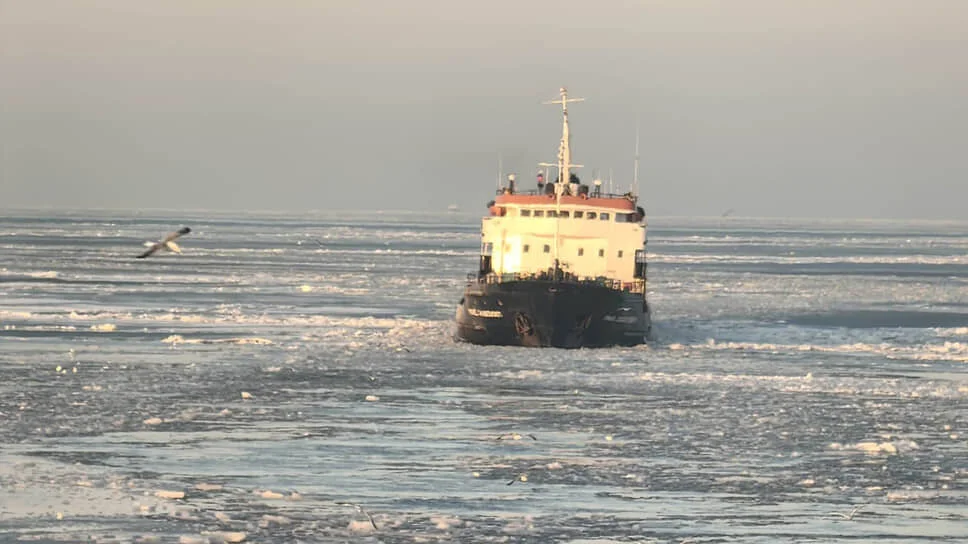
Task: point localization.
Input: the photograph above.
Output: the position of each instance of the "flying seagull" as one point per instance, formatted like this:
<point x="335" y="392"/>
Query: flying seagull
<point x="852" y="513"/>
<point x="167" y="243"/>
<point x="362" y="511"/>
<point x="516" y="436"/>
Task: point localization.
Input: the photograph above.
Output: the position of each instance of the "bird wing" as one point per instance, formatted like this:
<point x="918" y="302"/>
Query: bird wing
<point x="171" y="236"/>
<point x="172" y="246"/>
<point x="153" y="248"/>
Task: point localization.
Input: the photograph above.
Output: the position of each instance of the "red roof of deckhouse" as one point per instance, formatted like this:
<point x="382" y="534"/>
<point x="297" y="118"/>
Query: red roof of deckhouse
<point x="615" y="203"/>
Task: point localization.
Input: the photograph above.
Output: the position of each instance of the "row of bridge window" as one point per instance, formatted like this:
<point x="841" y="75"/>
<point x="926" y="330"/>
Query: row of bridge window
<point x="577" y="214"/>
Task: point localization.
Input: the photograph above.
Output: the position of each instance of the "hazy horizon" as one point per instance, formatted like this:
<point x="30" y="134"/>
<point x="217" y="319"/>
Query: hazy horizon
<point x="834" y="109"/>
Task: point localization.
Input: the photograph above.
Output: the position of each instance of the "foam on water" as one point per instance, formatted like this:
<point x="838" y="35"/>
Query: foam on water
<point x="946" y="351"/>
<point x="795" y="259"/>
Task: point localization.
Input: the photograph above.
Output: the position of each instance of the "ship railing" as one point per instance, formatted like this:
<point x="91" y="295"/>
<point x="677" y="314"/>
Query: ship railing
<point x="634" y="286"/>
<point x="536" y="192"/>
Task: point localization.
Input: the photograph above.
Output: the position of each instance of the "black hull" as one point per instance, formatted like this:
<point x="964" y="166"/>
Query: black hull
<point x="539" y="313"/>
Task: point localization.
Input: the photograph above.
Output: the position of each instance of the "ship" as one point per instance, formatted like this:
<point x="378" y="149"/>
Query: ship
<point x="561" y="265"/>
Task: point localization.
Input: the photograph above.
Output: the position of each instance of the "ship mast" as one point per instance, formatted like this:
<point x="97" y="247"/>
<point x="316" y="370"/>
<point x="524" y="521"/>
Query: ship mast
<point x="564" y="163"/>
<point x="564" y="149"/>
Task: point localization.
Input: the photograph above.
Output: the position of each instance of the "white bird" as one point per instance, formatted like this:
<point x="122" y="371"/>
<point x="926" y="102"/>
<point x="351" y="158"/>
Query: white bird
<point x="849" y="516"/>
<point x="167" y="243"/>
<point x="360" y="509"/>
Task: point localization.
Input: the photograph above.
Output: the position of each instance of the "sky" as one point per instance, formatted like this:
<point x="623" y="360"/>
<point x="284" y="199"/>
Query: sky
<point x="776" y="108"/>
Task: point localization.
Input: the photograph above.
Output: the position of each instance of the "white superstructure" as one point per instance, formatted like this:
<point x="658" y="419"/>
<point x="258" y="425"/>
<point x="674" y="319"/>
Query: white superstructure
<point x="565" y="226"/>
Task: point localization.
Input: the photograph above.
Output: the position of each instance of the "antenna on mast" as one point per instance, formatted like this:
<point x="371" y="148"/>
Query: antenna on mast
<point x="635" y="176"/>
<point x="500" y="169"/>
<point x="564" y="150"/>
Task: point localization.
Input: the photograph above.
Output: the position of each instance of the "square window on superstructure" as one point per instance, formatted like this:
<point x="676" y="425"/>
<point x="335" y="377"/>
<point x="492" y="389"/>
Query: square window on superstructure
<point x="581" y="251"/>
<point x="547" y="248"/>
<point x="525" y="213"/>
<point x="525" y="248"/>
<point x="579" y="215"/>
<point x="601" y="252"/>
<point x="552" y="213"/>
<point x="539" y="213"/>
<point x="563" y="214"/>
<point x="620" y="253"/>
<point x="603" y="216"/>
<point x="591" y="215"/>
<point x="622" y="217"/>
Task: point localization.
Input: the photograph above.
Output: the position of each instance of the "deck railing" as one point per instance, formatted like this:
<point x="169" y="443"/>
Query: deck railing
<point x="537" y="192"/>
<point x="634" y="286"/>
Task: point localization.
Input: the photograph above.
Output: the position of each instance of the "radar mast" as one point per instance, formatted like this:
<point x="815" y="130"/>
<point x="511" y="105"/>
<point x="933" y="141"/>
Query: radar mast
<point x="564" y="149"/>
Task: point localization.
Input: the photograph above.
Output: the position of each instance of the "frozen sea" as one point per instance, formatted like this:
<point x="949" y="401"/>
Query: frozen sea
<point x="291" y="377"/>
